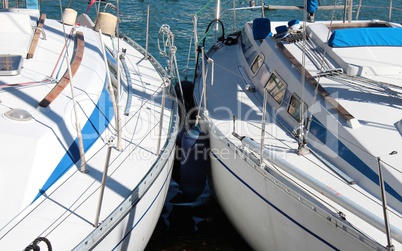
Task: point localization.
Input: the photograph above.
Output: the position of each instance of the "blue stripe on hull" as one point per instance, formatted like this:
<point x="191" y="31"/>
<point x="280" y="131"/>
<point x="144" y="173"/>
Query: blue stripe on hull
<point x="275" y="207"/>
<point x="330" y="140"/>
<point x="93" y="128"/>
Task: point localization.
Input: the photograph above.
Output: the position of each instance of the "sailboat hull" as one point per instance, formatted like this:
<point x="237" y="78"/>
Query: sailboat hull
<point x="88" y="127"/>
<point x="136" y="228"/>
<point x="271" y="213"/>
<point x="303" y="133"/>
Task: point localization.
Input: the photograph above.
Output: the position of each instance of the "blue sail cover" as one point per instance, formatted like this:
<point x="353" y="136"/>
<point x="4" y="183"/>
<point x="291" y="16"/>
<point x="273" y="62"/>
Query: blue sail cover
<point x="366" y="37"/>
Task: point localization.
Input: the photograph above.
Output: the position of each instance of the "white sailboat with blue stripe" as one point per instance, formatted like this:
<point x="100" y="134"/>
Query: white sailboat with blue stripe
<point x="305" y="126"/>
<point x="88" y="127"/>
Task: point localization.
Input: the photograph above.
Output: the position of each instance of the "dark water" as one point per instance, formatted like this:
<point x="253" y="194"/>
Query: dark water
<point x="192" y="226"/>
<point x="199" y="225"/>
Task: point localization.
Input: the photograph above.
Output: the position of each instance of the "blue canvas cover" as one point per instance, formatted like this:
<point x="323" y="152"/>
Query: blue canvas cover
<point x="312" y="6"/>
<point x="261" y="28"/>
<point x="375" y="36"/>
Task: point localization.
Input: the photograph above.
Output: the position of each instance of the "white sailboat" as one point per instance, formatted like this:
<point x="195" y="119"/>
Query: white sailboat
<point x="88" y="128"/>
<point x="305" y="126"/>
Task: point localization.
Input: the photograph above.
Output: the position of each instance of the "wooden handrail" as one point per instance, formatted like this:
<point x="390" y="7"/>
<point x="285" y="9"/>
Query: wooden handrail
<point x="59" y="87"/>
<point x="310" y="79"/>
<point x="36" y="37"/>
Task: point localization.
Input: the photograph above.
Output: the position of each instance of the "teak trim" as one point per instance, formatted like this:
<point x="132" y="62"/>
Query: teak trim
<point x="75" y="64"/>
<point x="36" y="37"/>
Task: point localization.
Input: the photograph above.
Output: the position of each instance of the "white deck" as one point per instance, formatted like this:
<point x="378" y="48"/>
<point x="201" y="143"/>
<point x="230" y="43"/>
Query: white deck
<point x="377" y="112"/>
<point x="30" y="151"/>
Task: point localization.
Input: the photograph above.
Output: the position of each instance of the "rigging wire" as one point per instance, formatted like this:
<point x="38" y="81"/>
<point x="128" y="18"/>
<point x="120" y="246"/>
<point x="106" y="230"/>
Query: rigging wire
<point x="49" y="230"/>
<point x="289" y="147"/>
<point x="345" y="139"/>
<point x="323" y="60"/>
<point x="303" y="81"/>
<point x="83" y="166"/>
<point x="273" y="117"/>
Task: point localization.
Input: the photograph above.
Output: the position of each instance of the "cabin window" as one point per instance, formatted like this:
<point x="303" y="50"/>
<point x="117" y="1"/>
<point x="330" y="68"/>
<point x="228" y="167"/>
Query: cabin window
<point x="262" y="75"/>
<point x="294" y="108"/>
<point x="276" y="88"/>
<point x="259" y="60"/>
<point x="251" y="57"/>
<point x="247" y="48"/>
<point x="246" y="45"/>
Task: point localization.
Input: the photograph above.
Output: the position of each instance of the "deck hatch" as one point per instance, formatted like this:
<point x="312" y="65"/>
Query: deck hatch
<point x="10" y="65"/>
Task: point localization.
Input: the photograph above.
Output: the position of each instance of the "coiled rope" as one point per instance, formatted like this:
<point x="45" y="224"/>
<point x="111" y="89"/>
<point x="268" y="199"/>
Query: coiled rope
<point x="34" y="245"/>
